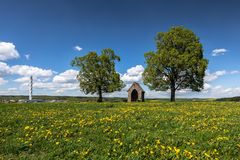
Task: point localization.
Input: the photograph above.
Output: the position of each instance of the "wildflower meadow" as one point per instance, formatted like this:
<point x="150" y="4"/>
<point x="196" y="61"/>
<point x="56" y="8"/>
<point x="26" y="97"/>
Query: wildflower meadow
<point x="148" y="130"/>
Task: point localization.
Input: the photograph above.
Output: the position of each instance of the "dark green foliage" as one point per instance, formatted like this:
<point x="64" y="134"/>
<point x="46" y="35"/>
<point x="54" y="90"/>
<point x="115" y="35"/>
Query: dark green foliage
<point x="97" y="73"/>
<point x="177" y="64"/>
<point x="236" y="99"/>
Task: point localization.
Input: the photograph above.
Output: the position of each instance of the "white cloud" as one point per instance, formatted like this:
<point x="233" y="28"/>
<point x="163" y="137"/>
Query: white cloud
<point x="207" y="86"/>
<point x="44" y="79"/>
<point x="65" y="81"/>
<point x="22" y="80"/>
<point x="219" y="51"/>
<point x="235" y="72"/>
<point x="2" y="81"/>
<point x="220" y="91"/>
<point x="60" y="91"/>
<point x="42" y="85"/>
<point x="35" y="79"/>
<point x="8" y="51"/>
<point x="53" y="86"/>
<point x="213" y="76"/>
<point x="66" y="77"/>
<point x="24" y="70"/>
<point x="4" y="68"/>
<point x="12" y="89"/>
<point x="77" y="48"/>
<point x="133" y="74"/>
<point x="27" y="56"/>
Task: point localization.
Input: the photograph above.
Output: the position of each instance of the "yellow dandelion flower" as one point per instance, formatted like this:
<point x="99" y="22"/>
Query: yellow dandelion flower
<point x="176" y="150"/>
<point x="27" y="127"/>
<point x="188" y="154"/>
<point x="207" y="155"/>
<point x="151" y="152"/>
<point x="170" y="148"/>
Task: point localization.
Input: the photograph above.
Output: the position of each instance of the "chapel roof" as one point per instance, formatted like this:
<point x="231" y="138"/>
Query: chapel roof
<point x="136" y="85"/>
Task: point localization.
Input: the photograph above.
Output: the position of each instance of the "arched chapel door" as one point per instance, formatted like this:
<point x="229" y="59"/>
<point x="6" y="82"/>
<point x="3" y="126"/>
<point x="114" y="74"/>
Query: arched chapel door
<point x="134" y="96"/>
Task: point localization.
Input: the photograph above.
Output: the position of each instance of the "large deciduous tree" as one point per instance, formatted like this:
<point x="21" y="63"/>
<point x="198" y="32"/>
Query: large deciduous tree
<point x="97" y="73"/>
<point x="177" y="64"/>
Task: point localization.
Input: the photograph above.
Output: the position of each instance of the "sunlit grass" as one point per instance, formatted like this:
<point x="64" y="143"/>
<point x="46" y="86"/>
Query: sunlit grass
<point x="150" y="130"/>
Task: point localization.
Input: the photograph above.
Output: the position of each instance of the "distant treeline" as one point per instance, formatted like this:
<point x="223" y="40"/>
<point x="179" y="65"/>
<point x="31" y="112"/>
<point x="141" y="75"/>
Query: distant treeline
<point x="91" y="99"/>
<point x="63" y="98"/>
<point x="235" y="99"/>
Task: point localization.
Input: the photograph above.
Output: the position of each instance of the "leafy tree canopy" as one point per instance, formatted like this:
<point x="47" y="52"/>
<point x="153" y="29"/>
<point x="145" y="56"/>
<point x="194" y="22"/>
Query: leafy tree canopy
<point x="97" y="73"/>
<point x="177" y="64"/>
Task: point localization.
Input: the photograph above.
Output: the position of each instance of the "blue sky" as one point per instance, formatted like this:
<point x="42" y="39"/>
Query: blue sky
<point x="49" y="30"/>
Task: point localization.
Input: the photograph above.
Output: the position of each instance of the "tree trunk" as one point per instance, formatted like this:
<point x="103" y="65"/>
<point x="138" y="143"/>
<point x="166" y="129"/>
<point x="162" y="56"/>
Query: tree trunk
<point x="99" y="94"/>
<point x="173" y="93"/>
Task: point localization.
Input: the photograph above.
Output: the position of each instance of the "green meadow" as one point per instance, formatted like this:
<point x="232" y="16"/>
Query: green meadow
<point x="119" y="130"/>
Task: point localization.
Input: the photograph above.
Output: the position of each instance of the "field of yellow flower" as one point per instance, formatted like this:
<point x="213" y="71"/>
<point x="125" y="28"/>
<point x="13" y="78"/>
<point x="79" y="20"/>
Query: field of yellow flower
<point x="149" y="130"/>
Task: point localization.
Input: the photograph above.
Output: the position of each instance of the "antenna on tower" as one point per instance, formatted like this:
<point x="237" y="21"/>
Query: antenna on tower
<point x="30" y="88"/>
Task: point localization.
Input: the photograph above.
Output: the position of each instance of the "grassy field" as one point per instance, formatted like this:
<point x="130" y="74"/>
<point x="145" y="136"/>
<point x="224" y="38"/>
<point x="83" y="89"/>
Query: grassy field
<point x="150" y="130"/>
